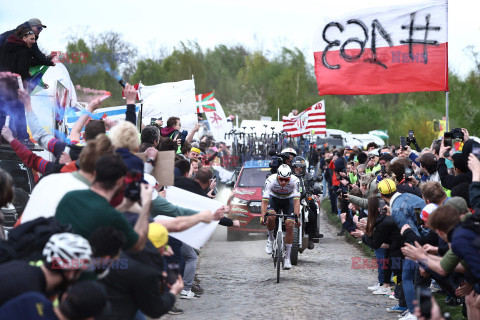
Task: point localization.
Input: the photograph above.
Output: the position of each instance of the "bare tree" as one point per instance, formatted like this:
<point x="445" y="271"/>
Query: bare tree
<point x="474" y="55"/>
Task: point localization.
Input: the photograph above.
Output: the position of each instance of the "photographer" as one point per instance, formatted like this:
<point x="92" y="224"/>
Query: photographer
<point x="86" y="210"/>
<point x="404" y="175"/>
<point x="460" y="164"/>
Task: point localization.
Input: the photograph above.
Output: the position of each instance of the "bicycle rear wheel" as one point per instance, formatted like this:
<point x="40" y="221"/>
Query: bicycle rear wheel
<point x="279" y="254"/>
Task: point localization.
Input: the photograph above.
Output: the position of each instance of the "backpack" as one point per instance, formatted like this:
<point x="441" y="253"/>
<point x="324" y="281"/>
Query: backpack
<point x="26" y="242"/>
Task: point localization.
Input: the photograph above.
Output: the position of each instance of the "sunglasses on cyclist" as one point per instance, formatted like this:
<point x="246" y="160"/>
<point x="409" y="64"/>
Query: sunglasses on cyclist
<point x="283" y="179"/>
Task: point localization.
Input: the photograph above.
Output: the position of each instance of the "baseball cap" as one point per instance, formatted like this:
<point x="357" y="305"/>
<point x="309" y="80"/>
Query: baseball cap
<point x="458" y="203"/>
<point x="427" y="210"/>
<point x="387" y="186"/>
<point x="36" y="22"/>
<point x="193" y="149"/>
<point x="158" y="234"/>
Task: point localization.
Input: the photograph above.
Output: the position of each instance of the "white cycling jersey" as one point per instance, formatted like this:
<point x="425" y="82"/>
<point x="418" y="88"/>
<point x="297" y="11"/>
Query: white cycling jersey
<point x="273" y="188"/>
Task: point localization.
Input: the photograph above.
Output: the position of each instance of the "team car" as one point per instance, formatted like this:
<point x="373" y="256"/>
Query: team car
<point x="246" y="198"/>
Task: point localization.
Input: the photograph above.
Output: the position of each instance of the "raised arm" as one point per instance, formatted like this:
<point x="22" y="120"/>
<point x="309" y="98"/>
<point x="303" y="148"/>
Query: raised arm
<point x="80" y="123"/>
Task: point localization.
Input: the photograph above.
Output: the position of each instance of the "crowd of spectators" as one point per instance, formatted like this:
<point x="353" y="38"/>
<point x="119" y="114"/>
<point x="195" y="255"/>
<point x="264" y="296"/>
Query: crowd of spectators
<point x="417" y="209"/>
<point x="86" y="243"/>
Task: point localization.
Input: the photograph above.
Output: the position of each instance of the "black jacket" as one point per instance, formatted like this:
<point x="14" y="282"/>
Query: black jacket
<point x="38" y="56"/>
<point x="386" y="231"/>
<point x="406" y="188"/>
<point x="449" y="181"/>
<point x="16" y="57"/>
<point x="133" y="286"/>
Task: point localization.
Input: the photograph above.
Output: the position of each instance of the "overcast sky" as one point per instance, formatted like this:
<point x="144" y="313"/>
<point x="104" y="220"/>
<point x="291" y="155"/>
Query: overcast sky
<point x="265" y="25"/>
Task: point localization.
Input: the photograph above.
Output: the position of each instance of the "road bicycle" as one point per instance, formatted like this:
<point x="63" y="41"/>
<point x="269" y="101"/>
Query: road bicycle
<point x="278" y="248"/>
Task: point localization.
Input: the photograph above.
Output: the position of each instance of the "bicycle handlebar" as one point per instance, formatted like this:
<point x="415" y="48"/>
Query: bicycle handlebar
<point x="281" y="215"/>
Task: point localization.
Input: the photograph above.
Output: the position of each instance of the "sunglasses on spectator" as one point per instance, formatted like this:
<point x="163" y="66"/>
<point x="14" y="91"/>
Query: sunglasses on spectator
<point x="28" y="33"/>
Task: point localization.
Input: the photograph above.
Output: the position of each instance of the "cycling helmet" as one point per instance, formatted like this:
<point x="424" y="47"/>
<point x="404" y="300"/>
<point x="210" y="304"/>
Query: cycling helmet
<point x="284" y="171"/>
<point x="67" y="251"/>
<point x="290" y="151"/>
<point x="299" y="166"/>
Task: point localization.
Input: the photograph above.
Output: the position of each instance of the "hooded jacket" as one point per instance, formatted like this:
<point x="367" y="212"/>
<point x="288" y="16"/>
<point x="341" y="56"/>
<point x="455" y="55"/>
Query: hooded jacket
<point x="39" y="57"/>
<point x="16" y="57"/>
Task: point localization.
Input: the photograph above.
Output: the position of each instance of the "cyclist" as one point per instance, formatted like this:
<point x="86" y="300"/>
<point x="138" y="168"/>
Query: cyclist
<point x="307" y="184"/>
<point x="281" y="192"/>
<point x="291" y="152"/>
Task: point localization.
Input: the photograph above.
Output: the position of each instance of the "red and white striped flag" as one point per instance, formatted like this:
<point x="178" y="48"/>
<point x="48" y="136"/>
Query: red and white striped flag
<point x="312" y="120"/>
<point x="395" y="48"/>
<point x="205" y="102"/>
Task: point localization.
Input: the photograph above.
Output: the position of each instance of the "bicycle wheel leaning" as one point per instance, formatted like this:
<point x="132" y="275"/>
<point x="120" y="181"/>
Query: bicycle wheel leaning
<point x="279" y="254"/>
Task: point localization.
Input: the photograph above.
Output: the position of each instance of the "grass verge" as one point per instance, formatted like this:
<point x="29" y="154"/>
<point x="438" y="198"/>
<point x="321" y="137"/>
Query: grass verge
<point x="455" y="312"/>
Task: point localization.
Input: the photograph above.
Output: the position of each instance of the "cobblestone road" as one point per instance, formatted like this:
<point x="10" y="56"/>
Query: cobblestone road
<point x="240" y="283"/>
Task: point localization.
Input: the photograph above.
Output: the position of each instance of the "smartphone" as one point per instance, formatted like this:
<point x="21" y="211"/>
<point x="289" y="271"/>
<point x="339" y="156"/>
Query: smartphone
<point x="152" y="121"/>
<point x="173" y="270"/>
<point x="403" y="142"/>
<point x="447" y="139"/>
<point x="410" y="134"/>
<point x="383" y="170"/>
<point x="382" y="204"/>
<point x="418" y="216"/>
<point x="476" y="151"/>
<point x="424" y="299"/>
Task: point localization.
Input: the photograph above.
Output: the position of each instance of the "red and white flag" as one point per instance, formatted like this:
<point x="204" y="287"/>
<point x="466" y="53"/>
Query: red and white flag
<point x="396" y="48"/>
<point x="312" y="120"/>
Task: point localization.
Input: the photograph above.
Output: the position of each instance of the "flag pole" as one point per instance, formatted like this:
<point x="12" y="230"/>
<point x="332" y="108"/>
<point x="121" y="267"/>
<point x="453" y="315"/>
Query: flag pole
<point x="447" y="120"/>
<point x="278" y="114"/>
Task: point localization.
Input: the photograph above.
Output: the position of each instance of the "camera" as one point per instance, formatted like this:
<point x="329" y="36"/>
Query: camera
<point x="132" y="188"/>
<point x="456" y="134"/>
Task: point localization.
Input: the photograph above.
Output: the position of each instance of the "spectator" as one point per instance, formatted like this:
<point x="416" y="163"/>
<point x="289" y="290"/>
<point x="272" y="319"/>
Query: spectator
<point x="460" y="164"/>
<point x="149" y="138"/>
<point x="405" y="184"/>
<point x="125" y="139"/>
<point x="402" y="208"/>
<point x="194" y="152"/>
<point x="16" y="54"/>
<point x="81" y="301"/>
<point x="64" y="256"/>
<point x="194" y="166"/>
<point x="50" y="190"/>
<point x="182" y="168"/>
<point x="86" y="210"/>
<point x="382" y="232"/>
<point x="36" y="26"/>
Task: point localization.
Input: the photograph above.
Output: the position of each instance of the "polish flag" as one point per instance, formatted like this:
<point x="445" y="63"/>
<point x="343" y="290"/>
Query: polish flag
<point x="310" y="121"/>
<point x="401" y="48"/>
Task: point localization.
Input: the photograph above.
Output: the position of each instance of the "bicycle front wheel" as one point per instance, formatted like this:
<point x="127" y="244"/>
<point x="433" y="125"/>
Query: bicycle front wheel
<point x="279" y="254"/>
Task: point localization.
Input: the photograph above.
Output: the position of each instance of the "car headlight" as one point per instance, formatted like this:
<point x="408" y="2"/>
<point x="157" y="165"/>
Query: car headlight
<point x="238" y="201"/>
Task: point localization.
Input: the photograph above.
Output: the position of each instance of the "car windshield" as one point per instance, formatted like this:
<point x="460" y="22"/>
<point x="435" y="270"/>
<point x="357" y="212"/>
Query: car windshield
<point x="19" y="173"/>
<point x="253" y="177"/>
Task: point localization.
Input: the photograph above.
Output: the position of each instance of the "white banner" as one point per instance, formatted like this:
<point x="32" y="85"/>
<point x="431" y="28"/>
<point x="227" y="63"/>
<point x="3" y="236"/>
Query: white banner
<point x="170" y="99"/>
<point x="217" y="122"/>
<point x="198" y="235"/>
